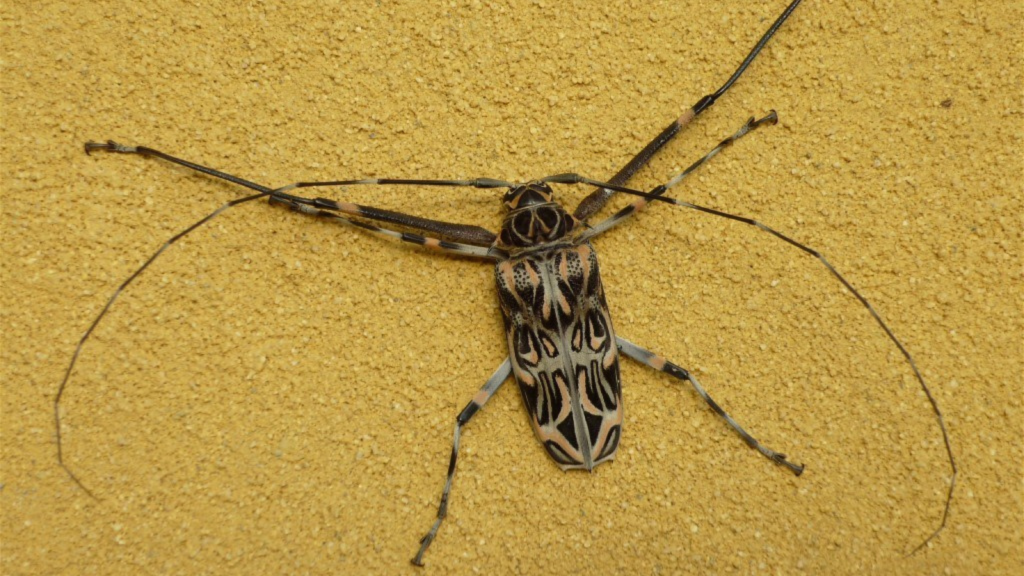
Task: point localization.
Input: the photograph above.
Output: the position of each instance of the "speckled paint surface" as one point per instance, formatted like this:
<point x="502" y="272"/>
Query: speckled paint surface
<point x="276" y="394"/>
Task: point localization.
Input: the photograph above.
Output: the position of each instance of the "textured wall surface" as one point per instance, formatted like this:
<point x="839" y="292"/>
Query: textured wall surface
<point x="276" y="394"/>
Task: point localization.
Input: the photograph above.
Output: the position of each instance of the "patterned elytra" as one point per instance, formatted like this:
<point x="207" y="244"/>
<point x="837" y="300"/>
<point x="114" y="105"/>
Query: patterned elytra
<point x="563" y="351"/>
<point x="562" y="347"/>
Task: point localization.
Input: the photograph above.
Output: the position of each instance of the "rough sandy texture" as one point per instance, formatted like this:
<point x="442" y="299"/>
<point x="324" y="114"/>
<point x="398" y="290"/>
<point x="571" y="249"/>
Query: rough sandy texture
<point x="276" y="394"/>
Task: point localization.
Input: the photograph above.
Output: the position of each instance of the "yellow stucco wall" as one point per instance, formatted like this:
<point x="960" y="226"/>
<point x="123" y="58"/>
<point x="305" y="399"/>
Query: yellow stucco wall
<point x="275" y="394"/>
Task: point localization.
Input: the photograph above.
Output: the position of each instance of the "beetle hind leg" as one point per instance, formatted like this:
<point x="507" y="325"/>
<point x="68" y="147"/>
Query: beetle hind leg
<point x="478" y="401"/>
<point x="658" y="363"/>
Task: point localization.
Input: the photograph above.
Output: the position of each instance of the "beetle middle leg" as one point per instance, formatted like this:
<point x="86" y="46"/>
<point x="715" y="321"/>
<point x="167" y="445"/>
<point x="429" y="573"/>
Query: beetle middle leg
<point x="635" y="207"/>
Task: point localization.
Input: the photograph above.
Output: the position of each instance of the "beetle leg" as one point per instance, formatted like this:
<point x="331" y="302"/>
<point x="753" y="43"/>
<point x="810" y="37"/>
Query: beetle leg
<point x="659" y="363"/>
<point x="478" y="401"/>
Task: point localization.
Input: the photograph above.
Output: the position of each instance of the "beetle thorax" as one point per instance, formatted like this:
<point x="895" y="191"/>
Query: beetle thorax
<point x="534" y="218"/>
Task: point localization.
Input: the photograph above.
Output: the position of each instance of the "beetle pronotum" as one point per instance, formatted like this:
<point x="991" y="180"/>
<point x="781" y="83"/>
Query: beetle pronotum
<point x="563" y="351"/>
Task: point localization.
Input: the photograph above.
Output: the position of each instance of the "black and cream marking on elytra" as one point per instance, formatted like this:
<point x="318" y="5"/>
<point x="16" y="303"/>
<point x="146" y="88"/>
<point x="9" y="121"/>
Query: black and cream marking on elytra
<point x="563" y="351"/>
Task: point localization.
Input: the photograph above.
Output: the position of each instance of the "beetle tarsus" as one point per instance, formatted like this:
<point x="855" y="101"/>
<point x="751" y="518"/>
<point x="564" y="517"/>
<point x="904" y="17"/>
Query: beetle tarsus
<point x="109" y="146"/>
